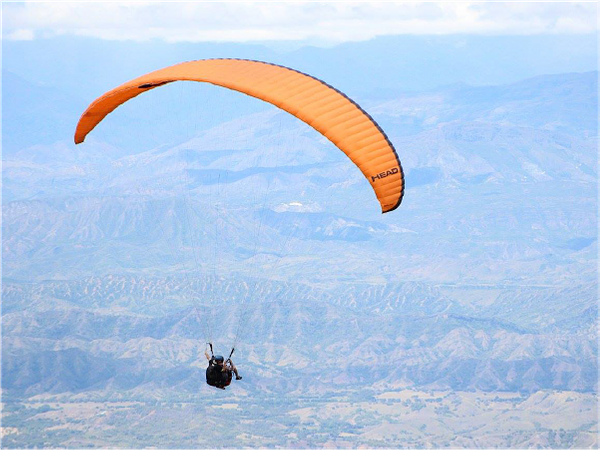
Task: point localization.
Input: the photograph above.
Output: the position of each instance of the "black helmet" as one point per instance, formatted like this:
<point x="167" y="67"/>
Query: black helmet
<point x="218" y="359"/>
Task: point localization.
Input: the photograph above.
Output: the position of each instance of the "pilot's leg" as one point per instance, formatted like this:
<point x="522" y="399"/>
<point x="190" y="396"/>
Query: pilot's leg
<point x="234" y="369"/>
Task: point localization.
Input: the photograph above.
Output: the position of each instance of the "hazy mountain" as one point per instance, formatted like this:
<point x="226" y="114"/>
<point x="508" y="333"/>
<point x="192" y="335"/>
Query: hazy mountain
<point x="381" y="65"/>
<point x="122" y="256"/>
<point x="111" y="323"/>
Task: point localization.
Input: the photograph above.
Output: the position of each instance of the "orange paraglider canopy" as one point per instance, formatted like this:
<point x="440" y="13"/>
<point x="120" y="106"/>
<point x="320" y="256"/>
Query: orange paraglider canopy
<point x="313" y="101"/>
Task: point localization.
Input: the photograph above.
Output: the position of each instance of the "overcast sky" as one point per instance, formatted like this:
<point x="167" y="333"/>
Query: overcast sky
<point x="318" y="23"/>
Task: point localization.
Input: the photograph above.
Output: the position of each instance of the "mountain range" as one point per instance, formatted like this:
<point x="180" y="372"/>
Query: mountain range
<point x="123" y="256"/>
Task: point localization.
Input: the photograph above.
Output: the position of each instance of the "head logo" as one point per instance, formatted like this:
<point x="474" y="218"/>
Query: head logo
<point x="384" y="174"/>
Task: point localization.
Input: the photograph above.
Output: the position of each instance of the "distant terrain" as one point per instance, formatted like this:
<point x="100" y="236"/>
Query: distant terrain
<point x="466" y="318"/>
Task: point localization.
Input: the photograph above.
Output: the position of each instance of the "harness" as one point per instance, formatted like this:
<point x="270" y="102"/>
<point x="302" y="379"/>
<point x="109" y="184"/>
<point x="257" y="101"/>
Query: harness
<point x="215" y="375"/>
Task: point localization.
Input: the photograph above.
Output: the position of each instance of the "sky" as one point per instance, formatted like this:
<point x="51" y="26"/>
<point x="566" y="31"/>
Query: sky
<point x="314" y="23"/>
<point x="367" y="50"/>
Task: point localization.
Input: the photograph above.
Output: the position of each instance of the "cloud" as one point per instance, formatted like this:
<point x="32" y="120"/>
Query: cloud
<point x="21" y="35"/>
<point x="317" y="23"/>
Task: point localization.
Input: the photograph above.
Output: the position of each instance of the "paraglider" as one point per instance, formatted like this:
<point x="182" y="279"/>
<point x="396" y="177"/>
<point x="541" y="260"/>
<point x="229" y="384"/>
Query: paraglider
<point x="219" y="372"/>
<point x="327" y="110"/>
<point x="321" y="106"/>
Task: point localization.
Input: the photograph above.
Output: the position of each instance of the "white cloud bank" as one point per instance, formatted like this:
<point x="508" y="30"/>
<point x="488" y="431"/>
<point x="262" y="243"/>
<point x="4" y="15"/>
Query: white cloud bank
<point x="314" y="22"/>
